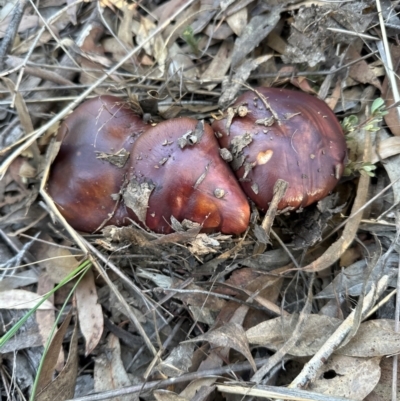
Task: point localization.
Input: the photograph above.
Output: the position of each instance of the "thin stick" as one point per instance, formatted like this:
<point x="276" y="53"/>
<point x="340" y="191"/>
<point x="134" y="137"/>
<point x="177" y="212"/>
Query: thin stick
<point x="12" y="28"/>
<point x="389" y="63"/>
<point x="140" y="388"/>
<point x="277" y="393"/>
<point x="280" y="189"/>
<point x="396" y="327"/>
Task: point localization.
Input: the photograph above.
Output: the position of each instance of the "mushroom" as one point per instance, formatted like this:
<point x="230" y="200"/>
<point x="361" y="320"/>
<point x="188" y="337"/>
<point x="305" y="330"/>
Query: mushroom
<point x="113" y="168"/>
<point x="179" y="161"/>
<point x="90" y="168"/>
<point x="276" y="134"/>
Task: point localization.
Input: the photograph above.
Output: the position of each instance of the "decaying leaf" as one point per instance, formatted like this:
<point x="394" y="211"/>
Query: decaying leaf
<point x="50" y="361"/>
<point x="136" y="197"/>
<point x="109" y="371"/>
<point x="230" y="87"/>
<point x="165" y="395"/>
<point x="63" y="386"/>
<point x="118" y="159"/>
<point x="373" y="338"/>
<point x="178" y="361"/>
<point x="22" y="299"/>
<point x="351" y="280"/>
<point x="230" y="335"/>
<point x="254" y="32"/>
<point x="275" y="332"/>
<point x="344" y="376"/>
<point x="90" y="313"/>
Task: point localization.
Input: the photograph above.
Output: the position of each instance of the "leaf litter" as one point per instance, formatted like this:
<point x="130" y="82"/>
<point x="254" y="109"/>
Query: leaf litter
<point x="156" y="307"/>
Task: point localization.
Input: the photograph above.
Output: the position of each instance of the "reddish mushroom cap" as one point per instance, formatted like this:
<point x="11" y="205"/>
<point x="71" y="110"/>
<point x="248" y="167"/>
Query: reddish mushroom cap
<point x="83" y="177"/>
<point x="179" y="160"/>
<point x="302" y="143"/>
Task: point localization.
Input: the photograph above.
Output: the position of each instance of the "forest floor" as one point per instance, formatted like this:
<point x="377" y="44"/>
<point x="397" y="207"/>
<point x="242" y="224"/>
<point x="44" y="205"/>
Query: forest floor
<point x="302" y="305"/>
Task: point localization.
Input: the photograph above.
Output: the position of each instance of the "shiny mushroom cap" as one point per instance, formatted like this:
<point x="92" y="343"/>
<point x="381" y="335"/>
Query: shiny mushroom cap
<point x="179" y="160"/>
<point x="91" y="165"/>
<point x="282" y="134"/>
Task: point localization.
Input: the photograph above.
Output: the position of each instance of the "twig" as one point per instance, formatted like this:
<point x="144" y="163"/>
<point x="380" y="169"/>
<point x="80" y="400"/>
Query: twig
<point x="389" y="63"/>
<point x="12" y="28"/>
<point x="14" y="62"/>
<point x="280" y="189"/>
<point x="277" y="392"/>
<point x="396" y="326"/>
<point x="140" y="388"/>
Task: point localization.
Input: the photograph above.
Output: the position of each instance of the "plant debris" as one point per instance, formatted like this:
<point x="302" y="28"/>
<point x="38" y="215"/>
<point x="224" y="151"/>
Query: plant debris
<point x="300" y="306"/>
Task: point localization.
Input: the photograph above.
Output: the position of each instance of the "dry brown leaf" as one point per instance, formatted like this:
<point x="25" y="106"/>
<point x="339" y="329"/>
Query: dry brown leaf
<point x="387" y="148"/>
<point x="178" y="362"/>
<point x="383" y="389"/>
<point x="213" y="361"/>
<point x="182" y="65"/>
<point x="156" y="46"/>
<point x="238" y="21"/>
<point x="220" y="32"/>
<point x="255" y="31"/>
<point x="361" y="71"/>
<point x="63" y="386"/>
<point x="21" y="279"/>
<point x="20" y="105"/>
<point x="59" y="262"/>
<point x="344" y="376"/>
<point x="27" y="22"/>
<point x="125" y="28"/>
<point x="231" y="335"/>
<point x="373" y="338"/>
<point x="230" y="87"/>
<point x="275" y="332"/>
<point x="50" y="360"/>
<point x="219" y="65"/>
<point x="165" y="395"/>
<point x="22" y="299"/>
<point x="46" y="318"/>
<point x="121" y="4"/>
<point x="90" y="313"/>
<point x="109" y="371"/>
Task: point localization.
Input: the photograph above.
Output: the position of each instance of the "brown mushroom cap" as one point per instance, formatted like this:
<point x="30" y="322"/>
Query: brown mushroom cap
<point x="305" y="146"/>
<point x="180" y="158"/>
<point x="82" y="179"/>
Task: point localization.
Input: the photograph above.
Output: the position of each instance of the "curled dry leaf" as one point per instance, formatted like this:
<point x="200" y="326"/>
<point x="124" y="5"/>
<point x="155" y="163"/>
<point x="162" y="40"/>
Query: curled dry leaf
<point x="230" y="335"/>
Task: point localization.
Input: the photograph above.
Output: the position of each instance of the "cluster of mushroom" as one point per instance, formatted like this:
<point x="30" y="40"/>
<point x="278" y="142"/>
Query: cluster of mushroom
<point x="113" y="168"/>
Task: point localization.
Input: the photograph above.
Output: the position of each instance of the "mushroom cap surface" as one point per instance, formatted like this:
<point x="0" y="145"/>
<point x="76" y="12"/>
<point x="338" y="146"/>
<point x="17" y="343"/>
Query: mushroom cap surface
<point x="303" y="145"/>
<point x="180" y="159"/>
<point x="82" y="178"/>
